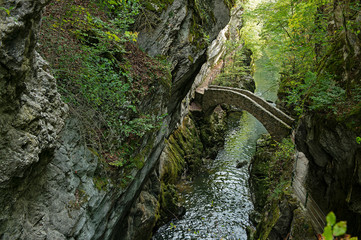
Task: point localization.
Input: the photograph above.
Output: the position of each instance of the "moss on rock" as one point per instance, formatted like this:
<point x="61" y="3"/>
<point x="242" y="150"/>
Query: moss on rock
<point x="185" y="147"/>
<point x="268" y="221"/>
<point x="230" y="3"/>
<point x="301" y="226"/>
<point x="157" y="5"/>
<point x="271" y="179"/>
<point x="212" y="131"/>
<point x="183" y="152"/>
<point x="195" y="139"/>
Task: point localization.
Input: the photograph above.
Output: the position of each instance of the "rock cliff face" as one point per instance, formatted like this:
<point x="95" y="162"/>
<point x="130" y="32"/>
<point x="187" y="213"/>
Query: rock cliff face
<point x="51" y="185"/>
<point x="332" y="180"/>
<point x="334" y="177"/>
<point x="182" y="34"/>
<point x="31" y="112"/>
<point x="278" y="214"/>
<point x="30" y="107"/>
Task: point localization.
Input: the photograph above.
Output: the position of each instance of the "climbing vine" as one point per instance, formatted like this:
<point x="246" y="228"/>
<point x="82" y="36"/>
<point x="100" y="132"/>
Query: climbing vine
<point x="6" y="10"/>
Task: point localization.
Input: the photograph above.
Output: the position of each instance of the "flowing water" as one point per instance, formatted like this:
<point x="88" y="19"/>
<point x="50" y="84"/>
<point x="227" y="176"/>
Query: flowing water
<point x="218" y="199"/>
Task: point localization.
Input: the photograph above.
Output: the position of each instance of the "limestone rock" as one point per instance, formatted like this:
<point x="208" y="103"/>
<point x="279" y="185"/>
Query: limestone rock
<point x="142" y="218"/>
<point x="49" y="180"/>
<point x="182" y="35"/>
<point x="281" y="228"/>
<point x="31" y="112"/>
<point x="333" y="177"/>
<point x="31" y="116"/>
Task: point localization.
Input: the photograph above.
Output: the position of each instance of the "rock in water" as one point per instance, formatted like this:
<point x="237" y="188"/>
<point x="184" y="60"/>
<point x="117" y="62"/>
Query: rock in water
<point x="241" y="164"/>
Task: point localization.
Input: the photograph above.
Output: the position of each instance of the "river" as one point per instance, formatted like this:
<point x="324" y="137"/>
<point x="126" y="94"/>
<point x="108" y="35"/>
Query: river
<point x="218" y="199"/>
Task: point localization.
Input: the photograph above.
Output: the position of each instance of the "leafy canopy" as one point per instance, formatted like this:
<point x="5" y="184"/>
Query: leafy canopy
<point x="309" y="41"/>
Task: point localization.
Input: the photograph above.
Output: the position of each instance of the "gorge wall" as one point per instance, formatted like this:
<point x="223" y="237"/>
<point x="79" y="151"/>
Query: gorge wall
<point x="334" y="170"/>
<point x="182" y="32"/>
<point x="31" y="113"/>
<point x="51" y="185"/>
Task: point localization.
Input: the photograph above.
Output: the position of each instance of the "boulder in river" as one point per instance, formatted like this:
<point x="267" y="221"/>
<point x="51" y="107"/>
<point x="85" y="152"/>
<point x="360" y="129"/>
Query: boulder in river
<point x="241" y="164"/>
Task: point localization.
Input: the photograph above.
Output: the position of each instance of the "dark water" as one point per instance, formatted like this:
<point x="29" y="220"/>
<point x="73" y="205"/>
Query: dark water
<point x="218" y="199"/>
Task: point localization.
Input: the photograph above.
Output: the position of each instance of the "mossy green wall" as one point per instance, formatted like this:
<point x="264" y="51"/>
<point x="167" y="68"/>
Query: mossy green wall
<point x="271" y="179"/>
<point x="183" y="150"/>
<point x="196" y="138"/>
<point x="157" y="5"/>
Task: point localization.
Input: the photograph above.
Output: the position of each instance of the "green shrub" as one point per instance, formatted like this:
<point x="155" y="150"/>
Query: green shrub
<point x="316" y="93"/>
<point x="90" y="47"/>
<point x="235" y="66"/>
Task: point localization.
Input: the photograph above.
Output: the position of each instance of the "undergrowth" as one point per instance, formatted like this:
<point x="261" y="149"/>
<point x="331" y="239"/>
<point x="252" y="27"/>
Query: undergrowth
<point x="236" y="67"/>
<point x="272" y="168"/>
<point x="271" y="180"/>
<point x="322" y="93"/>
<point x="102" y="74"/>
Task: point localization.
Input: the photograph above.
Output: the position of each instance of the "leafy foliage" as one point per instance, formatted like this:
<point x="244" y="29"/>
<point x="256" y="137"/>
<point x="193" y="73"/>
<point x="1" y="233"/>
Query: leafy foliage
<point x="91" y="50"/>
<point x="334" y="229"/>
<point x="7" y="10"/>
<point x="235" y="65"/>
<point x="310" y="42"/>
<point x="319" y="92"/>
<point x="272" y="168"/>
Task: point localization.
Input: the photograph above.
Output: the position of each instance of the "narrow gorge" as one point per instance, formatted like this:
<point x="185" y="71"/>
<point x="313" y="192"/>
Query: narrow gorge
<point x="180" y="119"/>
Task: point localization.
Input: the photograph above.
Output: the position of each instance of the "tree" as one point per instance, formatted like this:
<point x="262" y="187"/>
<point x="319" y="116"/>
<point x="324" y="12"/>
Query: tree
<point x="315" y="44"/>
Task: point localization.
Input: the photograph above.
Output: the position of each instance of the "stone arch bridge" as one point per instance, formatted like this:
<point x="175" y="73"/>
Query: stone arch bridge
<point x="277" y="123"/>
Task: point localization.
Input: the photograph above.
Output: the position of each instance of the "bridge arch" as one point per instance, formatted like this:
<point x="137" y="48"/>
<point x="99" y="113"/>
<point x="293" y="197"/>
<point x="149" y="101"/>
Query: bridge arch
<point x="275" y="121"/>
